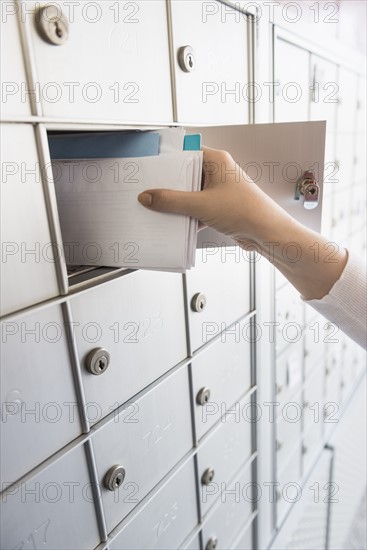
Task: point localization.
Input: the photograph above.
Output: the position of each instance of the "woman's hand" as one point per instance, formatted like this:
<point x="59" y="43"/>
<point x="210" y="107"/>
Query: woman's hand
<point x="232" y="204"/>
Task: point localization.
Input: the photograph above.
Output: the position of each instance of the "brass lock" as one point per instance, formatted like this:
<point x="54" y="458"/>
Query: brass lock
<point x="308" y="187"/>
<point x="114" y="478"/>
<point x="186" y="59"/>
<point x="212" y="543"/>
<point x="97" y="361"/>
<point x="203" y="396"/>
<point x="52" y="24"/>
<point x="207" y="476"/>
<point x="198" y="302"/>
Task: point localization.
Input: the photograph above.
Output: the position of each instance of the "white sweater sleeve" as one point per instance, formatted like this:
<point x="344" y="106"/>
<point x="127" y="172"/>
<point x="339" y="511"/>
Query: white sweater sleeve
<point x="346" y="303"/>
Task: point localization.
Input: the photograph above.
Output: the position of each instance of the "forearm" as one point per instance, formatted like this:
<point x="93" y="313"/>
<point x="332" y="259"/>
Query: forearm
<point x="310" y="262"/>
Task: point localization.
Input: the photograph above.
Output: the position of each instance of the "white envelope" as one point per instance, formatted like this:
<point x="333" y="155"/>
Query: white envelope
<point x="102" y="222"/>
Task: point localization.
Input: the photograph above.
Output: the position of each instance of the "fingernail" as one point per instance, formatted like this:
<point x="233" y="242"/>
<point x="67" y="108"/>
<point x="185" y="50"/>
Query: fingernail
<point x="146" y="199"/>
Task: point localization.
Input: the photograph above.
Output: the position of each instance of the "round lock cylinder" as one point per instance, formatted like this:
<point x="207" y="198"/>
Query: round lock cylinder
<point x="114" y="478"/>
<point x="212" y="543"/>
<point x="207" y="476"/>
<point x="203" y="396"/>
<point x="198" y="302"/>
<point x="52" y="25"/>
<point x="186" y="59"/>
<point x="97" y="361"/>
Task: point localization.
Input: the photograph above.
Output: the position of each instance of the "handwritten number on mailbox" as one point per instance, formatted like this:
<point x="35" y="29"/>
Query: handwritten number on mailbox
<point x="38" y="537"/>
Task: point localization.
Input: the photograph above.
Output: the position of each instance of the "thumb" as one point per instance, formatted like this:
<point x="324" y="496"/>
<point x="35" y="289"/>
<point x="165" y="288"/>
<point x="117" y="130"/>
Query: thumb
<point x="177" y="202"/>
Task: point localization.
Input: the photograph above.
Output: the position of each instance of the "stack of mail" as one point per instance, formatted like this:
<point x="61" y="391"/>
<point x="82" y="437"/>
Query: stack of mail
<point x="98" y="177"/>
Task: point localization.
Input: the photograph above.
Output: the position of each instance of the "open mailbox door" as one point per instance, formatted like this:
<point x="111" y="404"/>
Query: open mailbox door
<point x="276" y="156"/>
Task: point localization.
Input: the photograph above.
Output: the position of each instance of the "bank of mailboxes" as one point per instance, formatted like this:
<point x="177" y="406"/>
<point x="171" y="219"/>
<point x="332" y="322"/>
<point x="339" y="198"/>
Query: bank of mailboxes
<point x="52" y="508"/>
<point x="119" y="39"/>
<point x="178" y="344"/>
<point x="157" y="425"/>
<point x="92" y="369"/>
<point x="127" y="49"/>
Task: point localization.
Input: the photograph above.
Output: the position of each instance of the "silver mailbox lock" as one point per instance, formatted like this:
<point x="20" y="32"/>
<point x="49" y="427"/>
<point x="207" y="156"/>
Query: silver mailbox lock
<point x="309" y="188"/>
<point x="186" y="59"/>
<point x="198" y="302"/>
<point x="212" y="543"/>
<point x="114" y="478"/>
<point x="52" y="24"/>
<point x="97" y="361"/>
<point x="207" y="476"/>
<point x="203" y="396"/>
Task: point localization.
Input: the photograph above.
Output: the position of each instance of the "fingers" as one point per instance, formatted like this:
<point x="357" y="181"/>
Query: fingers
<point x="182" y="202"/>
<point x="177" y="202"/>
<point x="215" y="166"/>
<point x="215" y="155"/>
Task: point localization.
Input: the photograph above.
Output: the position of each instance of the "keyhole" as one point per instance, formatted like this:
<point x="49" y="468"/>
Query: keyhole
<point x="201" y="305"/>
<point x="58" y="30"/>
<point x="206" y="398"/>
<point x="312" y="191"/>
<point x="118" y="481"/>
<point x="101" y="364"/>
<point x="191" y="63"/>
